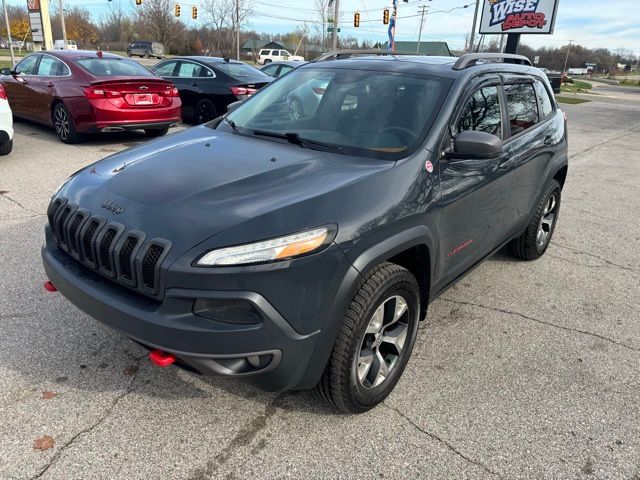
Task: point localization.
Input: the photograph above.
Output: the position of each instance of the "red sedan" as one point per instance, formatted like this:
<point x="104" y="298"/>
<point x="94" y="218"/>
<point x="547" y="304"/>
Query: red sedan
<point x="81" y="92"/>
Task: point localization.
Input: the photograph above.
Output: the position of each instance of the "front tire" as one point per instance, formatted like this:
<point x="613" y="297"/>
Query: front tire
<point x="375" y="341"/>
<point x="532" y="244"/>
<point x="63" y="123"/>
<point x="6" y="147"/>
<point x="156" y="132"/>
<point x="146" y="54"/>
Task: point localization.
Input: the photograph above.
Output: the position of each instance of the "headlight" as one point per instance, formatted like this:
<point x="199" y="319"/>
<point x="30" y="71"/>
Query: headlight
<point x="282" y="248"/>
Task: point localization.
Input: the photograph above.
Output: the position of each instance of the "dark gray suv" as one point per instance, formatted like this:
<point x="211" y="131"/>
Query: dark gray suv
<point x="301" y="251"/>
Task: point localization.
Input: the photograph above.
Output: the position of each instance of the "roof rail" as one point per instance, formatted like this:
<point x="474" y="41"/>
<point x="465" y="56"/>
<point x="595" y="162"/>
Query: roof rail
<point x="470" y="59"/>
<point x="338" y="54"/>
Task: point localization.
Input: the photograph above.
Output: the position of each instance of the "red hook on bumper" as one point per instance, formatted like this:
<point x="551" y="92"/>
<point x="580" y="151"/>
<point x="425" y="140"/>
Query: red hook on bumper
<point x="50" y="287"/>
<point x="161" y="359"/>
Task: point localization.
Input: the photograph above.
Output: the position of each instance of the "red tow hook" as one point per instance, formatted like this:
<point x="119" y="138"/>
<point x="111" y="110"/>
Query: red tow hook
<point x="50" y="287"/>
<point x="161" y="359"/>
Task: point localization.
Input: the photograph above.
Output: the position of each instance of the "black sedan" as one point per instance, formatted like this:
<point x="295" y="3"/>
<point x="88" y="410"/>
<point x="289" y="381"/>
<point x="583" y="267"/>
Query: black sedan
<point x="277" y="69"/>
<point x="208" y="84"/>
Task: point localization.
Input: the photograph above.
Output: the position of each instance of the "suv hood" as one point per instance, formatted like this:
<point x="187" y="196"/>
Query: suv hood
<point x="191" y="185"/>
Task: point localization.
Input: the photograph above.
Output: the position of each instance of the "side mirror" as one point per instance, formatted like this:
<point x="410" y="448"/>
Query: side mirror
<point x="232" y="106"/>
<point x="472" y="144"/>
<point x="6" y="71"/>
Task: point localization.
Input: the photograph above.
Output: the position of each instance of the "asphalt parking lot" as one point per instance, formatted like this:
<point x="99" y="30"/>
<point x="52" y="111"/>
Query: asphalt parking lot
<point x="523" y="370"/>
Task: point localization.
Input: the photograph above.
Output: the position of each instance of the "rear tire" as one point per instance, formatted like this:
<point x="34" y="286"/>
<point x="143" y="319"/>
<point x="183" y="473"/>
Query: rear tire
<point x="146" y="54"/>
<point x="205" y="111"/>
<point x="156" y="132"/>
<point x="532" y="244"/>
<point x="375" y="341"/>
<point x="6" y="147"/>
<point x="63" y="123"/>
<point x="267" y="61"/>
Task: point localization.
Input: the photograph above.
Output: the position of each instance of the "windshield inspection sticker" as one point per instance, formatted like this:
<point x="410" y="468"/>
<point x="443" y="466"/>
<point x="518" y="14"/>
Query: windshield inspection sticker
<point x="429" y="166"/>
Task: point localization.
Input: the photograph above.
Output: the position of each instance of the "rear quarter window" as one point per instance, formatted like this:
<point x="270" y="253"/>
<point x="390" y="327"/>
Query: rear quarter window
<point x="522" y="107"/>
<point x="546" y="104"/>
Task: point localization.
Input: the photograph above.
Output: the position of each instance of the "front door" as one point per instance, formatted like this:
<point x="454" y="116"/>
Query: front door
<point x="474" y="191"/>
<point x="18" y="86"/>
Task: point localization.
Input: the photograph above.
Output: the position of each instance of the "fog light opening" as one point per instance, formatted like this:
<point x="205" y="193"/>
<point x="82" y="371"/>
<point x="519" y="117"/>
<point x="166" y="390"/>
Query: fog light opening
<point x="227" y="311"/>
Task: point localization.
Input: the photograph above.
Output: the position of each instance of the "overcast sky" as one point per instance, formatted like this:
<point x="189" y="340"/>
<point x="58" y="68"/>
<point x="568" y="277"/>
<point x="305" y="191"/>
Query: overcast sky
<point x="592" y="23"/>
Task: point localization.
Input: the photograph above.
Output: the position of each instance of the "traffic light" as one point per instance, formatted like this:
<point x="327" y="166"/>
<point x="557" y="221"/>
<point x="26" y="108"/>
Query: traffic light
<point x="385" y="16"/>
<point x="194" y="12"/>
<point x="356" y="19"/>
<point x="177" y="9"/>
<point x="138" y="2"/>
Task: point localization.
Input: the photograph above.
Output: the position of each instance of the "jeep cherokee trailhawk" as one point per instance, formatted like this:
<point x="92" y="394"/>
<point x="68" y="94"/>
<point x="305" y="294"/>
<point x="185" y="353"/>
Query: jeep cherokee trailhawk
<point x="300" y="248"/>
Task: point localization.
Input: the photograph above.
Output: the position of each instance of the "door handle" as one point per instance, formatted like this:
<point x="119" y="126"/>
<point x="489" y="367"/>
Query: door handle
<point x="50" y="84"/>
<point x="194" y="84"/>
<point x="548" y="140"/>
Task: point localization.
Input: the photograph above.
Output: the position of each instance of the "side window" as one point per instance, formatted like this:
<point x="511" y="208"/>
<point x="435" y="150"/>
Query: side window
<point x="51" y="67"/>
<point x="545" y="101"/>
<point x="482" y="112"/>
<point x="522" y="106"/>
<point x="271" y="70"/>
<point x="189" y="70"/>
<point x="165" y="69"/>
<point x="285" y="69"/>
<point x="28" y="65"/>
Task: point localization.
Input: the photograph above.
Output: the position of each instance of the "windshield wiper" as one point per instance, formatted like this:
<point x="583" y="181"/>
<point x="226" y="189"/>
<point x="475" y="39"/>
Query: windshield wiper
<point x="296" y="139"/>
<point x="232" y="124"/>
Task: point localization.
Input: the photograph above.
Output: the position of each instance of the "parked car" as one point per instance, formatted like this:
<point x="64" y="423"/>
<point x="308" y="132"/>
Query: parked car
<point x="304" y="252"/>
<point x="6" y="124"/>
<point x="268" y="55"/>
<point x="59" y="45"/>
<point x="277" y="69"/>
<point x="81" y="92"/>
<point x="146" y="49"/>
<point x="208" y="84"/>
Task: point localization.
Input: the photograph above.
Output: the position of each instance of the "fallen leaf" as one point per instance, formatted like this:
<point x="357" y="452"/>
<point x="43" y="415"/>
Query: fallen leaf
<point x="43" y="443"/>
<point x="130" y="370"/>
<point x="47" y="395"/>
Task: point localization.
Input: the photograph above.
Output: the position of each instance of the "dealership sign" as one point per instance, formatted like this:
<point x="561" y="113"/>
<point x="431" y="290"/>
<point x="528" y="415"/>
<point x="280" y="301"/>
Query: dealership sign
<point x="518" y="16"/>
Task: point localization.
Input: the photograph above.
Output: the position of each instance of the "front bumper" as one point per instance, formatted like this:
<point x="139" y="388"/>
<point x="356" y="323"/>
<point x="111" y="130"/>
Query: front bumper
<point x="285" y="358"/>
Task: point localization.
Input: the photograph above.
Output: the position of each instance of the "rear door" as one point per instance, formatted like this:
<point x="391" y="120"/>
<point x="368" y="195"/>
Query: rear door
<point x="43" y="86"/>
<point x="193" y="81"/>
<point x="18" y="86"/>
<point x="474" y="191"/>
<point x="529" y="148"/>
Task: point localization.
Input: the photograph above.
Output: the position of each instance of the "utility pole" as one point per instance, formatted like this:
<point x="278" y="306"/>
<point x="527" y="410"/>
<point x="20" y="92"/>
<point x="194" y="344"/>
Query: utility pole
<point x="64" y="28"/>
<point x="502" y="37"/>
<point x="6" y="19"/>
<point x="421" y="10"/>
<point x="566" y="60"/>
<point x="336" y="13"/>
<point x="237" y="29"/>
<point x="473" y="26"/>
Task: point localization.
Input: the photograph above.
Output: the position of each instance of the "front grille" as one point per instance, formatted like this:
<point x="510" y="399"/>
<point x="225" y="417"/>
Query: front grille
<point x="149" y="265"/>
<point x="105" y="251"/>
<point x="125" y="257"/>
<point x="107" y="247"/>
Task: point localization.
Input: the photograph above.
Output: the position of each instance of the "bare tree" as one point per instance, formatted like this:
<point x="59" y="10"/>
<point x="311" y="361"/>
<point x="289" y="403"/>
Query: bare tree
<point x="320" y="20"/>
<point x="155" y="18"/>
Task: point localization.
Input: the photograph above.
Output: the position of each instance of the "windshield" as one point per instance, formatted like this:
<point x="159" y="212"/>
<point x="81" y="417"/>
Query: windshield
<point x="366" y="113"/>
<point x="113" y="67"/>
<point x="239" y="70"/>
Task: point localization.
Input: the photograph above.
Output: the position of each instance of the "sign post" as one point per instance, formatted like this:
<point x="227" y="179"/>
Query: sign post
<point x="40" y="24"/>
<point x="515" y="17"/>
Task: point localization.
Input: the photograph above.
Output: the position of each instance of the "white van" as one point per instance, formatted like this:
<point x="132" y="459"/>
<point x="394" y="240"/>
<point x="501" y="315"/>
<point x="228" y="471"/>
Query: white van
<point x="59" y="45"/>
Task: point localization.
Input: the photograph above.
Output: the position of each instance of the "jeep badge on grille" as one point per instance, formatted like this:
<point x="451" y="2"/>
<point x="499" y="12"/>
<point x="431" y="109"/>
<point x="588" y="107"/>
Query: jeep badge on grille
<point x="112" y="207"/>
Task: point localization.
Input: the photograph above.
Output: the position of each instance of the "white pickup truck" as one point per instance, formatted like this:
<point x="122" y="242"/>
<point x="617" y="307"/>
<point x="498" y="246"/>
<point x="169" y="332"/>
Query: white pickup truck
<point x="267" y="56"/>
